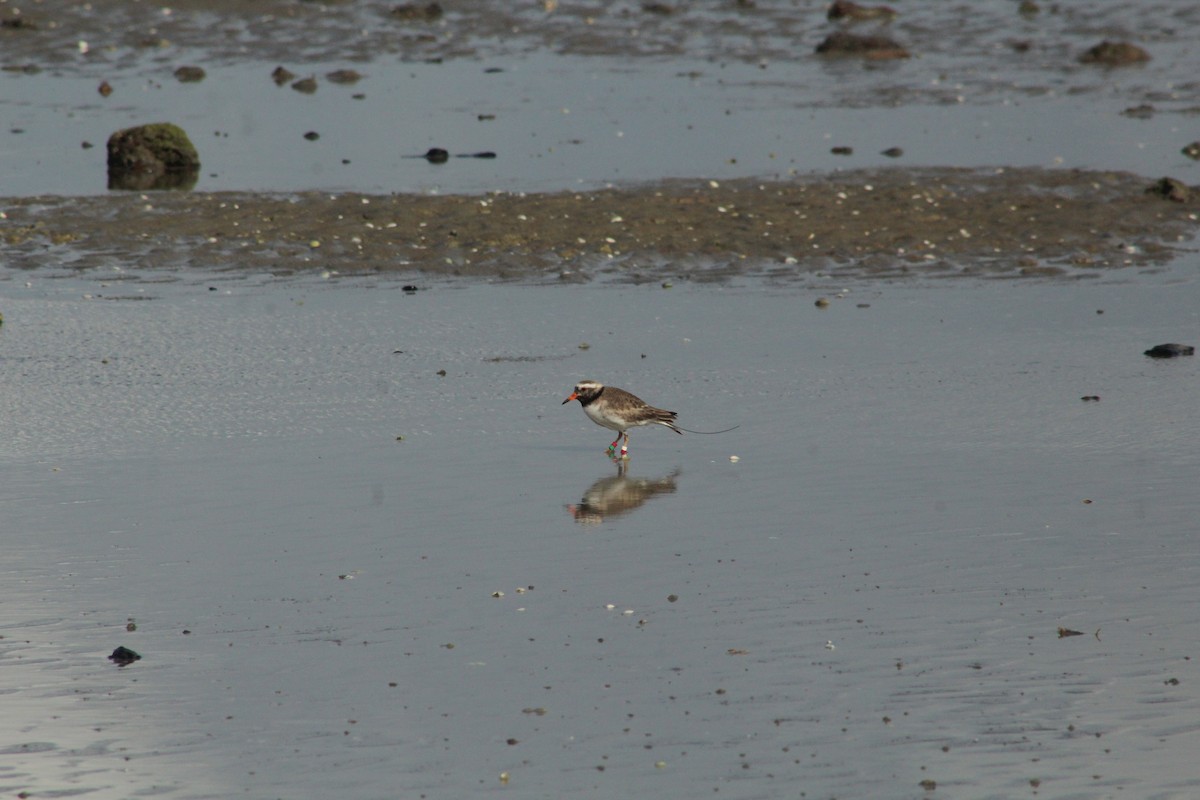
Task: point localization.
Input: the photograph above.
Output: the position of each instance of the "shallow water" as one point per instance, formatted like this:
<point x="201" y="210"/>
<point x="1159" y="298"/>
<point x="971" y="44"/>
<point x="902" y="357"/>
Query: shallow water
<point x="868" y="598"/>
<point x="592" y="95"/>
<point x="556" y="124"/>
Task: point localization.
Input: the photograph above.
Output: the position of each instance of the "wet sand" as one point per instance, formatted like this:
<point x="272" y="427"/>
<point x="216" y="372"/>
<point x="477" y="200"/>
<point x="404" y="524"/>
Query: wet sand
<point x="367" y="552"/>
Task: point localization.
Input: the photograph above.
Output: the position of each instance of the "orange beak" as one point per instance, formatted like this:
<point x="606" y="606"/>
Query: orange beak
<point x="572" y="397"/>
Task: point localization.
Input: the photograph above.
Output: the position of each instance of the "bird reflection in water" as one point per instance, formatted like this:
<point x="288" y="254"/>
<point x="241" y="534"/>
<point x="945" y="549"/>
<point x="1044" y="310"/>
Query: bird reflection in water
<point x="619" y="494"/>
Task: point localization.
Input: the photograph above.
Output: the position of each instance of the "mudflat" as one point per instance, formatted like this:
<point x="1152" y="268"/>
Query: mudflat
<point x="883" y="223"/>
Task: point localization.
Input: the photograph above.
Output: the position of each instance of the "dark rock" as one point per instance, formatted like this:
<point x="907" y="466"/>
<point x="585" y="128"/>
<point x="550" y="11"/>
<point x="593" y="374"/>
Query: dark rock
<point x="305" y="85"/>
<point x="18" y="24"/>
<point x="344" y="76"/>
<point x="155" y="156"/>
<point x="851" y="44"/>
<point x="842" y="150"/>
<point x="436" y="155"/>
<point x="661" y="9"/>
<point x="1170" y="350"/>
<point x="414" y="12"/>
<point x="853" y="12"/>
<point x="312" y="136"/>
<point x="123" y="655"/>
<point x="1170" y="189"/>
<point x="1143" y="111"/>
<point x="893" y="152"/>
<point x="1115" y="54"/>
<point x="281" y="76"/>
<point x="105" y="88"/>
<point x="1192" y="151"/>
<point x="187" y="74"/>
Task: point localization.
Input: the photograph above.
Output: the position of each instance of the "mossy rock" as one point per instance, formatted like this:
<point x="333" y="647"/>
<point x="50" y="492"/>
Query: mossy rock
<point x="155" y="156"/>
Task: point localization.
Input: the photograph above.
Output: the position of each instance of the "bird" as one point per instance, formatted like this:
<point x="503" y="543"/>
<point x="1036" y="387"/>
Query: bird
<point x="618" y="410"/>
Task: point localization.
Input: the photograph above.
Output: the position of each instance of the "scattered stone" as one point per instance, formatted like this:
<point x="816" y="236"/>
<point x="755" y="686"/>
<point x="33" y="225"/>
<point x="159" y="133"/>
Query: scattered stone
<point x="281" y="76"/>
<point x="123" y="656"/>
<point x="1170" y="189"/>
<point x="1090" y="398"/>
<point x="842" y="150"/>
<point x="1065" y="632"/>
<point x="344" y="76"/>
<point x="853" y="12"/>
<point x="312" y="136"/>
<point x="1170" y="350"/>
<point x="1192" y="151"/>
<point x="18" y="24"/>
<point x="409" y="289"/>
<point x="155" y="156"/>
<point x="879" y="48"/>
<point x="662" y="9"/>
<point x="436" y="155"/>
<point x="188" y="74"/>
<point x="893" y="152"/>
<point x="822" y="302"/>
<point x="413" y="12"/>
<point x="928" y="784"/>
<point x="306" y="85"/>
<point x="1143" y="111"/>
<point x="105" y="88"/>
<point x="1115" y="54"/>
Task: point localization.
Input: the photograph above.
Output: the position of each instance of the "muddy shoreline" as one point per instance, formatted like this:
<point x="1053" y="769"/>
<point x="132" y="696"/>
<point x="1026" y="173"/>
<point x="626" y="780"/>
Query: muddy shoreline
<point x="882" y="223"/>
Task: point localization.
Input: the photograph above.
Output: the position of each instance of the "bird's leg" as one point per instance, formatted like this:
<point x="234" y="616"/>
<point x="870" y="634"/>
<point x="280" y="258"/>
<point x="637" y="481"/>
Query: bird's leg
<point x="625" y="447"/>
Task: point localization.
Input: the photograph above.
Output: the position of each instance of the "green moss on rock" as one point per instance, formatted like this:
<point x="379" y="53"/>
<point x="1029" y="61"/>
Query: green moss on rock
<point x="158" y="155"/>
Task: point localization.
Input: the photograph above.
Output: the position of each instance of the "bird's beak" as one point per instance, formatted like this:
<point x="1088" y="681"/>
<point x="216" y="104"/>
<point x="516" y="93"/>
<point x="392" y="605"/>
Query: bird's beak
<point x="572" y="397"/>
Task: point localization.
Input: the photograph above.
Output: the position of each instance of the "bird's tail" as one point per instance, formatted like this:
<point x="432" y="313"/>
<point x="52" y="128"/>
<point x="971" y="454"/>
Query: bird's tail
<point x="667" y="419"/>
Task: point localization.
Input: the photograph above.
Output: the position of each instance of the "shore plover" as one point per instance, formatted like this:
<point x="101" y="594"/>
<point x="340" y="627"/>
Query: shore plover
<point x="618" y="410"/>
